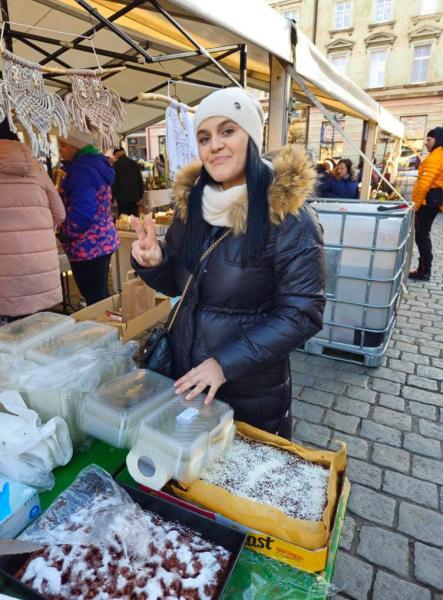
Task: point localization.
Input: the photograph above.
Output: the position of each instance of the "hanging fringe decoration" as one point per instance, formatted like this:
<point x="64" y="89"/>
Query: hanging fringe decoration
<point x="93" y="108"/>
<point x="23" y="97"/>
<point x="181" y="143"/>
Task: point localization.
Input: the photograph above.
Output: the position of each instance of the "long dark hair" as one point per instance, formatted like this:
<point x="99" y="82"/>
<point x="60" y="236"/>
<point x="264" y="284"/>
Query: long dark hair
<point x="258" y="178"/>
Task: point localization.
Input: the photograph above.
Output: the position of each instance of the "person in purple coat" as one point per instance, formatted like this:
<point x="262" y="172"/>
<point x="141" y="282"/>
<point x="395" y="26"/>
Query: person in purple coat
<point x="341" y="183"/>
<point x="88" y="234"/>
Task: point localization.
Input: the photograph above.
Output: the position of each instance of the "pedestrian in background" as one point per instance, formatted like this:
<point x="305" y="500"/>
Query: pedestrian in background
<point x="341" y="182"/>
<point x="88" y="234"/>
<point x="128" y="184"/>
<point x="29" y="208"/>
<point x="427" y="196"/>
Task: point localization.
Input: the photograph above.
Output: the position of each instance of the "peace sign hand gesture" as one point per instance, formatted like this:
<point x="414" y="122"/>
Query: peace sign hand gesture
<point x="146" y="250"/>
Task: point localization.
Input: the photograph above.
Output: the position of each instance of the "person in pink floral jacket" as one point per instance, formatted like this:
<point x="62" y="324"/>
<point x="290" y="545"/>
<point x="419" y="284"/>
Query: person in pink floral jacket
<point x="88" y="234"/>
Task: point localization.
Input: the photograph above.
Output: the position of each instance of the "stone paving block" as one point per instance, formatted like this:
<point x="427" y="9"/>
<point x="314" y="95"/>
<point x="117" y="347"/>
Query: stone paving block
<point x="421" y="523"/>
<point x="430" y="351"/>
<point x="417" y="359"/>
<point x="421" y="492"/>
<point x="388" y="387"/>
<point x="392" y="353"/>
<point x="405" y="347"/>
<point x="346" y="423"/>
<point x="422" y="410"/>
<point x="432" y="430"/>
<point x="353" y="576"/>
<point x="296" y="390"/>
<point x="388" y="587"/>
<point x="352" y="406"/>
<point x="348" y="532"/>
<point x="393" y="402"/>
<point x="411" y="393"/>
<point x="380" y="433"/>
<point x="371" y="505"/>
<point x="360" y="471"/>
<point x="384" y="548"/>
<point x="427" y="468"/>
<point x="307" y="412"/>
<point x="312" y="434"/>
<point x="317" y="397"/>
<point x="437" y="362"/>
<point x="355" y="446"/>
<point x="329" y="385"/>
<point x="303" y="379"/>
<point x="392" y="418"/>
<point x="387" y="456"/>
<point x="362" y="394"/>
<point x="401" y="366"/>
<point x="421" y="445"/>
<point x="428" y="565"/>
<point x="390" y="374"/>
<point x="353" y="378"/>
<point x="423" y="383"/>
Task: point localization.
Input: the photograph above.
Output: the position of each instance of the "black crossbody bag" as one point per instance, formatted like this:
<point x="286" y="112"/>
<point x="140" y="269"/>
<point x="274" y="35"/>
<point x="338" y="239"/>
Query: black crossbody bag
<point x="434" y="198"/>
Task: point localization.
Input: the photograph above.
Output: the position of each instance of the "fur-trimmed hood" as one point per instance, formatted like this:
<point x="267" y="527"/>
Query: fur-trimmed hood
<point x="294" y="180"/>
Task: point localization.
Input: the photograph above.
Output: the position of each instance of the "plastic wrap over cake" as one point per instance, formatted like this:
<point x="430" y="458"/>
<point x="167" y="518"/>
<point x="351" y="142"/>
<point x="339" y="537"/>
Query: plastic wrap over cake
<point x="179" y="440"/>
<point x="114" y="411"/>
<point x="19" y="335"/>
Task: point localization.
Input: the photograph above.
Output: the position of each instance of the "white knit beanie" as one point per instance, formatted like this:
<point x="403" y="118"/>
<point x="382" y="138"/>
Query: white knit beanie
<point x="78" y="139"/>
<point x="237" y="105"/>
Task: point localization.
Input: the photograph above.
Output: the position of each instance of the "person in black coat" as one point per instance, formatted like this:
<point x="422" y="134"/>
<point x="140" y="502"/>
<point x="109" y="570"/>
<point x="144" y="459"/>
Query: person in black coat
<point x="128" y="183"/>
<point x="261" y="293"/>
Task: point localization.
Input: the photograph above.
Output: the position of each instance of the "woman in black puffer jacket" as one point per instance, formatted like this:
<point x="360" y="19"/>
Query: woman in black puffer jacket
<point x="261" y="293"/>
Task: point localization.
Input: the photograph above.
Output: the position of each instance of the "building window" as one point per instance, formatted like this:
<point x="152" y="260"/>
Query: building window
<point x="137" y="146"/>
<point x="340" y="61"/>
<point x="343" y="14"/>
<point x="415" y="132"/>
<point x="428" y="7"/>
<point x="420" y="63"/>
<point x="331" y="142"/>
<point x="382" y="10"/>
<point x="377" y="66"/>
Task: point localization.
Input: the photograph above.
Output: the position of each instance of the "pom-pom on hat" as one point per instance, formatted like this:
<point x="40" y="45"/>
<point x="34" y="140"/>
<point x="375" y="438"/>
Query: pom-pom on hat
<point x="237" y="105"/>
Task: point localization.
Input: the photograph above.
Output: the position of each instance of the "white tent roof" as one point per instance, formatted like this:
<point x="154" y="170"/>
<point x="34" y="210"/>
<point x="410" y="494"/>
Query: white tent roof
<point x="212" y="24"/>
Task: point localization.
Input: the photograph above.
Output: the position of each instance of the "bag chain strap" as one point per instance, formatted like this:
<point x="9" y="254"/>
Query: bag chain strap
<point x="203" y="257"/>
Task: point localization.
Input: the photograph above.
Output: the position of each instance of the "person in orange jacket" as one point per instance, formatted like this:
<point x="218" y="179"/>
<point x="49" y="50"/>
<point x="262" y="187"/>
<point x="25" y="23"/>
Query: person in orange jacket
<point x="427" y="196"/>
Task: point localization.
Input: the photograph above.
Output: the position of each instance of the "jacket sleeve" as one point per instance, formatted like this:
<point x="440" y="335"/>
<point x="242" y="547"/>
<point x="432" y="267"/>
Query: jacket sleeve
<point x="140" y="184"/>
<point x="428" y="174"/>
<point x="83" y="201"/>
<point x="54" y="201"/>
<point x="162" y="278"/>
<point x="299" y="301"/>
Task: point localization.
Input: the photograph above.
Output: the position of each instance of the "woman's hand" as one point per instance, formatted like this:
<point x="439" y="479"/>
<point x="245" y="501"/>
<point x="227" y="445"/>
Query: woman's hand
<point x="208" y="374"/>
<point x="146" y="250"/>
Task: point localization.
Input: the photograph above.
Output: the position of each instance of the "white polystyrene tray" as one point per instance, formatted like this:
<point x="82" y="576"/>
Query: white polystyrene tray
<point x="114" y="411"/>
<point x="86" y="335"/>
<point x="179" y="440"/>
<point x="19" y="335"/>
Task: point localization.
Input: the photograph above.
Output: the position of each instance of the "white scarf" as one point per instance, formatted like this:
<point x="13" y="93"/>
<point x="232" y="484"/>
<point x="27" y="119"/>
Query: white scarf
<point x="217" y="203"/>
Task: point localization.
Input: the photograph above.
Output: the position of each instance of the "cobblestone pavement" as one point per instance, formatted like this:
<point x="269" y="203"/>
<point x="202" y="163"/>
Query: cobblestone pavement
<point x="392" y="420"/>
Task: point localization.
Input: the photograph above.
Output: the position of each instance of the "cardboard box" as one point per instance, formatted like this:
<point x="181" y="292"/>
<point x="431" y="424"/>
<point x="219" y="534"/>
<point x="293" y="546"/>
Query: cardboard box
<point x="311" y="561"/>
<point x="133" y="327"/>
<point x="19" y="505"/>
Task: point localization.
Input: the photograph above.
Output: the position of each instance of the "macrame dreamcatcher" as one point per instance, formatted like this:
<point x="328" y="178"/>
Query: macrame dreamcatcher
<point x="181" y="143"/>
<point x="23" y="98"/>
<point x="93" y="108"/>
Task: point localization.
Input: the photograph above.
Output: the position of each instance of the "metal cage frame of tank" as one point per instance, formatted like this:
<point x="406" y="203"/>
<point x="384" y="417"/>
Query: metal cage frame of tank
<point x="361" y="353"/>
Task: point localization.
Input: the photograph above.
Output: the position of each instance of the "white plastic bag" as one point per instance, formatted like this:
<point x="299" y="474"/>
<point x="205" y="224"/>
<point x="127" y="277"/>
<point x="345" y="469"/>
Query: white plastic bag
<point x="29" y="450"/>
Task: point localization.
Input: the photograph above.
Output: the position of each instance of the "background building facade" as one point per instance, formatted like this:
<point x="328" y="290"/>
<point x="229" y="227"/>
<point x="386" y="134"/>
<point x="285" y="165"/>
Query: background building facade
<point x="393" y="49"/>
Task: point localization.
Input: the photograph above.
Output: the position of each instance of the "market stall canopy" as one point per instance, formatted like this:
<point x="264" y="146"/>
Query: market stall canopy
<point x="212" y="24"/>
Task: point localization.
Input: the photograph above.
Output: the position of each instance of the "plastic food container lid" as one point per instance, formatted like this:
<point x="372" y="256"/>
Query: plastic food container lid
<point x="15" y="337"/>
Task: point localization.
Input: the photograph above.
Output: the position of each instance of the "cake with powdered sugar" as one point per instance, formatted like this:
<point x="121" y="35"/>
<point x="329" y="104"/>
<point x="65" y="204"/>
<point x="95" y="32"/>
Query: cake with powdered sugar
<point x="273" y="476"/>
<point x="151" y="560"/>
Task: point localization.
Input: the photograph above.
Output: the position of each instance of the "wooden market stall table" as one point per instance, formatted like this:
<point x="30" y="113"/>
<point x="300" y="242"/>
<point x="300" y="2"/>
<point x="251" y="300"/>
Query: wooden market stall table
<point x="255" y="575"/>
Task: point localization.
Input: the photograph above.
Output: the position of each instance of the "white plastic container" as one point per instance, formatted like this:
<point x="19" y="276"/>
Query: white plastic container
<point x="19" y="335"/>
<point x="114" y="411"/>
<point x="85" y="335"/>
<point x="179" y="440"/>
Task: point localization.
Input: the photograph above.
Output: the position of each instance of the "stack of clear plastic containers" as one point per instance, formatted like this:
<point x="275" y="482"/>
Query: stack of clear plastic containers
<point x="179" y="440"/>
<point x="113" y="413"/>
<point x="19" y="335"/>
<point x="85" y="335"/>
